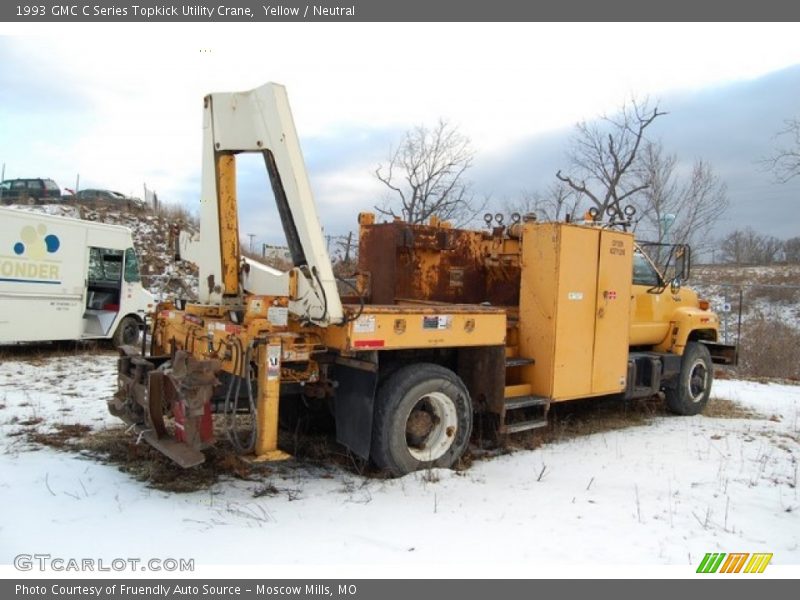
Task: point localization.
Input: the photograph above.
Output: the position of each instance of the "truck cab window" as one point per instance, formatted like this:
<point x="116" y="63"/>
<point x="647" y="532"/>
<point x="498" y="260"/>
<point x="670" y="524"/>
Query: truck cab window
<point x="643" y="271"/>
<point x="131" y="266"/>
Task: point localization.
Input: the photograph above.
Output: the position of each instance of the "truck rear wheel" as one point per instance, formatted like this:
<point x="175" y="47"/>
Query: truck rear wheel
<point x="690" y="393"/>
<point x="127" y="333"/>
<point x="422" y="419"/>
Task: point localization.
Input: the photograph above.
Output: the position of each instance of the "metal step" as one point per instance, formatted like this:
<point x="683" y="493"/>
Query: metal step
<point x="518" y="361"/>
<point x="525" y="425"/>
<point x="525" y="402"/>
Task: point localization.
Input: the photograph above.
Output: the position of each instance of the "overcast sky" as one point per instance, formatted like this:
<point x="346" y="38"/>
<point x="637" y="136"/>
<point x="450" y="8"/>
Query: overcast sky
<point x="121" y="104"/>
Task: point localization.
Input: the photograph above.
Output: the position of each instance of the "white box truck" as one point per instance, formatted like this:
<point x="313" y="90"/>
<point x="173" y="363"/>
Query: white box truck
<point x="67" y="279"/>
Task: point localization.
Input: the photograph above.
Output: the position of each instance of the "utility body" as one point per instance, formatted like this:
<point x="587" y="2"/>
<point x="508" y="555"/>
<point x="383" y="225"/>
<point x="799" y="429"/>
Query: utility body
<point x="68" y="279"/>
<point x="440" y="323"/>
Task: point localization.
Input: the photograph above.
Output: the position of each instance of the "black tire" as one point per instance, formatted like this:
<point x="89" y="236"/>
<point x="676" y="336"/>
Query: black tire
<point x="422" y="419"/>
<point x="689" y="395"/>
<point x="127" y="333"/>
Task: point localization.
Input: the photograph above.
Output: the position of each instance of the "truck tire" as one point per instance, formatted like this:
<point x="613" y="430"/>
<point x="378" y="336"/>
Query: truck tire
<point x="127" y="333"/>
<point x="422" y="419"/>
<point x="690" y="393"/>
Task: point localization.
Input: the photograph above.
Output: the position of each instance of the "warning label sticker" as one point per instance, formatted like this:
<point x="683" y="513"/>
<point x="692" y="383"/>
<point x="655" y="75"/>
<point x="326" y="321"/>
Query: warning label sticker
<point x="436" y="322"/>
<point x="364" y="324"/>
<point x="278" y="315"/>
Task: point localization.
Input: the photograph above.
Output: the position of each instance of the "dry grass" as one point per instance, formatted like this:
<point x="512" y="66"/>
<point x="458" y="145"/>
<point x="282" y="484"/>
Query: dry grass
<point x="37" y="354"/>
<point x="769" y="348"/>
<point x="586" y="417"/>
<point x="313" y="444"/>
<point x="118" y="447"/>
<point x="580" y="418"/>
<point x="178" y="214"/>
<point x="62" y="436"/>
<point x="722" y="408"/>
<point x="746" y="275"/>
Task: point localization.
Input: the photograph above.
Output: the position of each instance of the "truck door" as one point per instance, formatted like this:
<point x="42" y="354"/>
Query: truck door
<point x="134" y="298"/>
<point x="651" y="309"/>
<point x="103" y="294"/>
<point x="610" y="360"/>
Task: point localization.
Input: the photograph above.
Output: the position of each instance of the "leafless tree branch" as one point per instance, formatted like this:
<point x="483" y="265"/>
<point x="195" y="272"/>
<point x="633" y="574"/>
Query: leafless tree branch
<point x="604" y="156"/>
<point x="784" y="162"/>
<point x="426" y="174"/>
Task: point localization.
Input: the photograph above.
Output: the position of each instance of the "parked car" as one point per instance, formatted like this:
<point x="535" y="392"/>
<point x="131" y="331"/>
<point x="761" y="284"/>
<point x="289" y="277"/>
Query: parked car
<point x="29" y="191"/>
<point x="105" y="197"/>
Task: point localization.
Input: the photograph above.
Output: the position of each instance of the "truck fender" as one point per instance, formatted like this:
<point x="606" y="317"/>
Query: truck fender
<point x="688" y="324"/>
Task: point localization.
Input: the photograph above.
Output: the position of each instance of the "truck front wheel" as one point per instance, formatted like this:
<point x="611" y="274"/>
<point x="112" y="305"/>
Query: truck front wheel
<point x="127" y="333"/>
<point x="690" y="392"/>
<point x="422" y="419"/>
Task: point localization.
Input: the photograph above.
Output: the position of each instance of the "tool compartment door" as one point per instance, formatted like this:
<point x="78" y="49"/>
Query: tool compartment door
<point x="575" y="321"/>
<point x="612" y="314"/>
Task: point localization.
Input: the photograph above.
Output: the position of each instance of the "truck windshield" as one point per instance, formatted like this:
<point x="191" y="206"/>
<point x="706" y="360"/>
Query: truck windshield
<point x="131" y="266"/>
<point x="105" y="264"/>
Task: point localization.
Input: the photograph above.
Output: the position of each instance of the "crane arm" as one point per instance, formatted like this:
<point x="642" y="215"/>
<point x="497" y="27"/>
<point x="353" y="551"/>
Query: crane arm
<point x="260" y="120"/>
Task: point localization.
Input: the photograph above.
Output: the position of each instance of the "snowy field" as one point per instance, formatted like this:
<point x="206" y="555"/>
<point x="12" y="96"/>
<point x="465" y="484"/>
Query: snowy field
<point x="664" y="493"/>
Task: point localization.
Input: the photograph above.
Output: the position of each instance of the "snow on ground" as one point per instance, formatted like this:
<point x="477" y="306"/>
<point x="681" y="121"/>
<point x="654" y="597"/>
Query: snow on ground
<point x="660" y="494"/>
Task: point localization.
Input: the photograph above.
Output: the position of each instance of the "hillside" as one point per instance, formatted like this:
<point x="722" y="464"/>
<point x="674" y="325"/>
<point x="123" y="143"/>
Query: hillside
<point x="161" y="274"/>
<point x="770" y="314"/>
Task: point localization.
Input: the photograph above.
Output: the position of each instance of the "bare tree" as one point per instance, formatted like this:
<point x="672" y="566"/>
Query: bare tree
<point x="603" y="157"/>
<point x="784" y="162"/>
<point x="426" y="173"/>
<point x="791" y="249"/>
<point x="554" y="204"/>
<point x="747" y="246"/>
<point x="678" y="211"/>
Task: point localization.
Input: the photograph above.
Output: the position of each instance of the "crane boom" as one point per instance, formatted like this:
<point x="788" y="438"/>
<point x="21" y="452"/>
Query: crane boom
<point x="259" y="120"/>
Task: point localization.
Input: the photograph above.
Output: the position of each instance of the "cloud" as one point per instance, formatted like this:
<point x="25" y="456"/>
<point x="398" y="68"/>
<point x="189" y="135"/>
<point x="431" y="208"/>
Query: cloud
<point x="122" y="105"/>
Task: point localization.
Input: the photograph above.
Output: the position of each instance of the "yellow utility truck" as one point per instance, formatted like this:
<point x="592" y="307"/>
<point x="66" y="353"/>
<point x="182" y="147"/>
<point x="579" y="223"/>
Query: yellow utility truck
<point x="441" y="325"/>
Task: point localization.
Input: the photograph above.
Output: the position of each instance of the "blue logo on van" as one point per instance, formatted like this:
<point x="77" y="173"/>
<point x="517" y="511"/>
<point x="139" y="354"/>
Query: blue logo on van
<point x="35" y="244"/>
<point x="33" y="260"/>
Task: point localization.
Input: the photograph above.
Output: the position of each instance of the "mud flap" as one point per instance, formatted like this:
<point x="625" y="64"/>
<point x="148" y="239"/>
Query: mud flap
<point x="355" y="398"/>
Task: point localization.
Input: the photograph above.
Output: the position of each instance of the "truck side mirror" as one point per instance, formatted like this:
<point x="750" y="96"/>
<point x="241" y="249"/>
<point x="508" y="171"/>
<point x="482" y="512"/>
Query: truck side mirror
<point x="675" y="285"/>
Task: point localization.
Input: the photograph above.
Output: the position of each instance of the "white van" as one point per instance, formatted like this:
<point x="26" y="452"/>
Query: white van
<point x="67" y="279"/>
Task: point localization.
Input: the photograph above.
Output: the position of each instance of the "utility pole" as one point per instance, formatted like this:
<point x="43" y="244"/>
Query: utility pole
<point x="347" y="246"/>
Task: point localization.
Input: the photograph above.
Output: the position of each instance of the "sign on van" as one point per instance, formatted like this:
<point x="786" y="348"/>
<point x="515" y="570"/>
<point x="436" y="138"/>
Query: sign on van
<point x="35" y="257"/>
